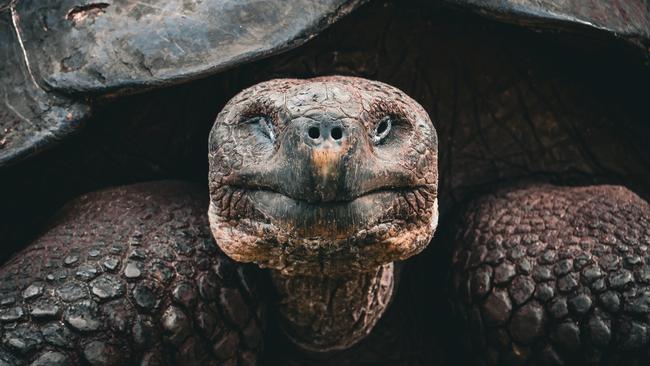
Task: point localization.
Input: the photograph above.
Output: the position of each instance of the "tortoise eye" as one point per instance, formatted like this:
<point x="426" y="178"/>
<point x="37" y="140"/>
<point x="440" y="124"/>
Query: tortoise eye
<point x="382" y="129"/>
<point x="264" y="126"/>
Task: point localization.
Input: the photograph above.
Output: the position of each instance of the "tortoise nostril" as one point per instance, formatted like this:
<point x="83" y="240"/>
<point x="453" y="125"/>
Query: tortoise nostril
<point x="337" y="133"/>
<point x="313" y="132"/>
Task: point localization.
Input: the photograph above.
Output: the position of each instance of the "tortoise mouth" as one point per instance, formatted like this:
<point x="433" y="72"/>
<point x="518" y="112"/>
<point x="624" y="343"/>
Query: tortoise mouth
<point x="299" y="224"/>
<point x="333" y="219"/>
<point x="292" y="235"/>
<point x="343" y="199"/>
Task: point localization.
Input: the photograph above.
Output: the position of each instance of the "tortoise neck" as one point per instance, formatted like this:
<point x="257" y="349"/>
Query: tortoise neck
<point x="323" y="313"/>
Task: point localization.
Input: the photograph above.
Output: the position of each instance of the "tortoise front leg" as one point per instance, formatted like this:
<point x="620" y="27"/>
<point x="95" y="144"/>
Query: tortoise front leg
<point x="129" y="276"/>
<point x="555" y="275"/>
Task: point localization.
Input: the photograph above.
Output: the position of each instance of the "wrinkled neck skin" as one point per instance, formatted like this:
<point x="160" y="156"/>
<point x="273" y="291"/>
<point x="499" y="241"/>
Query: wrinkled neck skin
<point x="324" y="314"/>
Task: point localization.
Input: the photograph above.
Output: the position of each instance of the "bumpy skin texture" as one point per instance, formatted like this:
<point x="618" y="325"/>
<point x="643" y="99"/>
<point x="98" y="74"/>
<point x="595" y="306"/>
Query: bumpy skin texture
<point x="325" y="314"/>
<point x="129" y="275"/>
<point x="555" y="275"/>
<point x="323" y="205"/>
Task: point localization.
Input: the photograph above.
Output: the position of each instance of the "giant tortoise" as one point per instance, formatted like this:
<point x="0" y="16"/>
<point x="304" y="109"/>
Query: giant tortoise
<point x="515" y="130"/>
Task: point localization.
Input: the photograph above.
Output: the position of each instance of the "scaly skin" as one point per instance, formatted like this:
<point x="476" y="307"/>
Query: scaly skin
<point x="555" y="275"/>
<point x="324" y="314"/>
<point x="129" y="275"/>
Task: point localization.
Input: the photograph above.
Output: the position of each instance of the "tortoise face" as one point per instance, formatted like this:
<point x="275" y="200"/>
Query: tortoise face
<point x="322" y="176"/>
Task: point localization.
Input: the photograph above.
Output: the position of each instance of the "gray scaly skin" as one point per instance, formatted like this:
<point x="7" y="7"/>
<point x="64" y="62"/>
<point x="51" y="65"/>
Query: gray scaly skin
<point x="129" y="275"/>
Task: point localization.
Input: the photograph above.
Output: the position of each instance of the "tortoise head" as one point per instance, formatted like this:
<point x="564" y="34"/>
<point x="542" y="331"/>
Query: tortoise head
<point x="322" y="176"/>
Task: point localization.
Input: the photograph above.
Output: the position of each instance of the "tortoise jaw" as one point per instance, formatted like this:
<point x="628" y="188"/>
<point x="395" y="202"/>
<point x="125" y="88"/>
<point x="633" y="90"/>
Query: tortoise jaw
<point x="328" y="220"/>
<point x="297" y="237"/>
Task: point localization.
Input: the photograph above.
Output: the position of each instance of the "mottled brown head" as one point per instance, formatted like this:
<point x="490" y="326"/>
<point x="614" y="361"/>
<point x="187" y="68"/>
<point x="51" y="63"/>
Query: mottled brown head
<point x="323" y="176"/>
